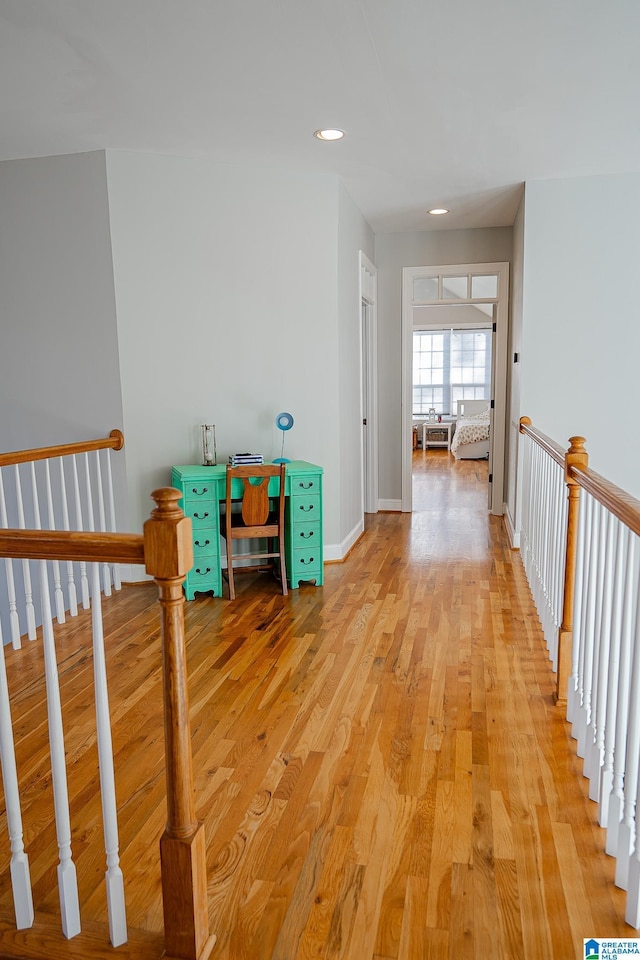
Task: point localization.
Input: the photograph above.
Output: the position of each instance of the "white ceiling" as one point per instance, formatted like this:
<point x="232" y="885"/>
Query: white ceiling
<point x="454" y="103"/>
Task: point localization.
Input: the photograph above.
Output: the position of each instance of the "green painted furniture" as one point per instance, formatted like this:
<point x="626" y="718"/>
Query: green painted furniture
<point x="203" y="490"/>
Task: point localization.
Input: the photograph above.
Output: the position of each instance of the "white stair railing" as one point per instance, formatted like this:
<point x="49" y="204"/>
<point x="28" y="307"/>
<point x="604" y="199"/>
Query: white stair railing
<point x="32" y="471"/>
<point x="49" y="482"/>
<point x="165" y="548"/>
<point x="543" y="531"/>
<point x="602" y="627"/>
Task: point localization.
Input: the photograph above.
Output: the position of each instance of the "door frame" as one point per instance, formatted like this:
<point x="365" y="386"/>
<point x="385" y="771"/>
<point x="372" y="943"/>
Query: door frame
<point x="368" y="289"/>
<point x="499" y="365"/>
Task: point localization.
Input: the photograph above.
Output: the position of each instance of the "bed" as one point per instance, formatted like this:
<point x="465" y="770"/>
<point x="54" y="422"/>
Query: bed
<point x="471" y="438"/>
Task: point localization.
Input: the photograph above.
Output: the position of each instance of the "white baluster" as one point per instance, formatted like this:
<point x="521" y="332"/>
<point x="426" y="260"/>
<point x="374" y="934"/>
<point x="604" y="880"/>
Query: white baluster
<point x="557" y="556"/>
<point x="605" y="591"/>
<point x="19" y="867"/>
<point x="84" y="583"/>
<point x="57" y="585"/>
<point x="524" y="514"/>
<point x="632" y="912"/>
<point x="597" y="588"/>
<point x="584" y="715"/>
<point x="36" y="518"/>
<point x="113" y="877"/>
<point x="106" y="573"/>
<point x="14" y="620"/>
<point x="616" y="563"/>
<point x="71" y="583"/>
<point x="67" y="882"/>
<point x="26" y="570"/>
<point x="530" y="509"/>
<point x="616" y="800"/>
<point x="574" y="685"/>
<point x="627" y="827"/>
<point x="112" y="518"/>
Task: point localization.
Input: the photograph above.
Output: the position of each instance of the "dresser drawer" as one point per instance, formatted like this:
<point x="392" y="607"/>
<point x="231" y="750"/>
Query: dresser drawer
<point x="305" y="563"/>
<point x="205" y="545"/>
<point x="304" y="485"/>
<point x="304" y="507"/>
<point x="306" y="533"/>
<point x="202" y="514"/>
<point x="200" y="491"/>
<point x="203" y="577"/>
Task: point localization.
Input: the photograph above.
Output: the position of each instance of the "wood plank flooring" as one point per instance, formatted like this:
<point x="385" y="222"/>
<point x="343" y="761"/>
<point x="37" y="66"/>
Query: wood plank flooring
<point x="379" y="764"/>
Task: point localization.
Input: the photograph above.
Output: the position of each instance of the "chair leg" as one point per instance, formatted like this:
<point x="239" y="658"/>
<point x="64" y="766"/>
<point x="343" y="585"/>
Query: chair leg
<point x="232" y="587"/>
<point x="283" y="567"/>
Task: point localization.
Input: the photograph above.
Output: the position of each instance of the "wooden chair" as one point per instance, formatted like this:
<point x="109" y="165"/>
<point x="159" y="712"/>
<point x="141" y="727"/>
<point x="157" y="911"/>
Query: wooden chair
<point x="255" y="519"/>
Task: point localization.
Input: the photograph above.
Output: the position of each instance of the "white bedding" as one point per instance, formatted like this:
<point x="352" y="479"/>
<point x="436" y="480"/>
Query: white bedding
<point x="472" y="430"/>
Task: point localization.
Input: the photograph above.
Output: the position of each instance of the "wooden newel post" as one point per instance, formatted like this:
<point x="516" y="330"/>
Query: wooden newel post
<point x="576" y="456"/>
<point x="168" y="558"/>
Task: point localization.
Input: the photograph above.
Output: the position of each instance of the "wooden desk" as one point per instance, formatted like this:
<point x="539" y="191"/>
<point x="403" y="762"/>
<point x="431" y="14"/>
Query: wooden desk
<point x="203" y="490"/>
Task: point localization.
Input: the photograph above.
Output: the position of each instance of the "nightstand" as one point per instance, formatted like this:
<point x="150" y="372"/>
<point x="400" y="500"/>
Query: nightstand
<point x="436" y="434"/>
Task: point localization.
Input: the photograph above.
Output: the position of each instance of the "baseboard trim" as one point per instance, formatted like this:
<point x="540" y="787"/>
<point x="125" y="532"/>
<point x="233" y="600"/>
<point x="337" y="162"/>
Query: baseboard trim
<point x="512" y="535"/>
<point x="337" y="552"/>
<point x="390" y="506"/>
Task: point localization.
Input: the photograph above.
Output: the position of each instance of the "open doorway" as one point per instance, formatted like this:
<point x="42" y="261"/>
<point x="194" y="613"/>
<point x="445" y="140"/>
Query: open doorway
<point x="458" y="314"/>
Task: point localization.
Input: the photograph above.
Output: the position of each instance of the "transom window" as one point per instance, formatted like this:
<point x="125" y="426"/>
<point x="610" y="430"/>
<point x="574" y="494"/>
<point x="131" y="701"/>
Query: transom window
<point x="450" y="365"/>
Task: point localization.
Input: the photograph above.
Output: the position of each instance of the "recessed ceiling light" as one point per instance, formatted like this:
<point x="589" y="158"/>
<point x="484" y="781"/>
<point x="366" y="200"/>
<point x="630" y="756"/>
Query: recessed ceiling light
<point x="438" y="211"/>
<point x="329" y="134"/>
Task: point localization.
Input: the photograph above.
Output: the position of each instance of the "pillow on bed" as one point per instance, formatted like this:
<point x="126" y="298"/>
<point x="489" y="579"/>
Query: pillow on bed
<point x="478" y="416"/>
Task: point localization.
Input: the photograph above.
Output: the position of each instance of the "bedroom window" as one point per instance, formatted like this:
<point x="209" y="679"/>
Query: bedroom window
<point x="450" y="365"/>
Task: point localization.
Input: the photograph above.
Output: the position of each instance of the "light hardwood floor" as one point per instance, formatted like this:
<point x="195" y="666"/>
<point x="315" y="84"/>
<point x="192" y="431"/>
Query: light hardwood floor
<point x="379" y="763"/>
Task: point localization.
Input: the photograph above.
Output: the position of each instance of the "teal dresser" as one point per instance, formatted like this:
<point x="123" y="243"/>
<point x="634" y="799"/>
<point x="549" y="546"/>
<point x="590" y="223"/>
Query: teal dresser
<point x="203" y="490"/>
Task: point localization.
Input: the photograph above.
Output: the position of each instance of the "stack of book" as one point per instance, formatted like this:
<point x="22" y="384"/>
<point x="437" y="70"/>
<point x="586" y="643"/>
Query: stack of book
<point x="236" y="459"/>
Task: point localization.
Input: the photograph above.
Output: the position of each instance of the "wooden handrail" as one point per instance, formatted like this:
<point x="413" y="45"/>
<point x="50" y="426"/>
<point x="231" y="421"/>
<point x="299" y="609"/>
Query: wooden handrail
<point x="621" y="504"/>
<point x="72" y="545"/>
<point x="550" y="446"/>
<point x="114" y="441"/>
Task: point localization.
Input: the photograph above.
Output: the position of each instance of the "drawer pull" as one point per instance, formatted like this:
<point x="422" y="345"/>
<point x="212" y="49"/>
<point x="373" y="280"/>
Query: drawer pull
<point x="199" y="543"/>
<point x="306" y="536"/>
<point x="309" y="561"/>
<point x="305" y="486"/>
<point x="306" y="509"/>
<point x="200" y="493"/>
<point x="201" y="516"/>
<point x="203" y="573"/>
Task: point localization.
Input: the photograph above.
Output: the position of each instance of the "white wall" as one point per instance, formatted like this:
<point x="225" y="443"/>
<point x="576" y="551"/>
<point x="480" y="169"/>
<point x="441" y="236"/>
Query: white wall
<point x="354" y="234"/>
<point x="59" y="373"/>
<point x="512" y="514"/>
<point x="581" y="329"/>
<point x="393" y="252"/>
<point x="59" y="376"/>
<point x="227" y="306"/>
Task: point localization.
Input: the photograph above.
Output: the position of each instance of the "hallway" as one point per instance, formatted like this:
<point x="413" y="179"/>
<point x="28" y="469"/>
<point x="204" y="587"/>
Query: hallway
<point x="378" y="762"/>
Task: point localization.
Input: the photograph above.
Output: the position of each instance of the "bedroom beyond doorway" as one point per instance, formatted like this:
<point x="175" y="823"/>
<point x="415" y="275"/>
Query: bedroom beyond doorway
<point x="465" y="298"/>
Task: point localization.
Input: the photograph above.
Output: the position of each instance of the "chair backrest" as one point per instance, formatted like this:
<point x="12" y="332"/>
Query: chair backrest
<point x="255" y="491"/>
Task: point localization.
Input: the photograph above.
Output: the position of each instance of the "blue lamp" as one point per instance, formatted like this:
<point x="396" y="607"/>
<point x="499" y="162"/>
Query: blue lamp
<point x="284" y="422"/>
